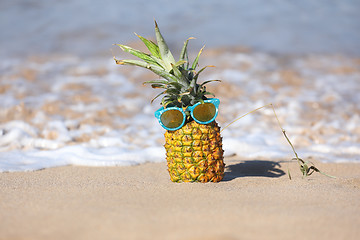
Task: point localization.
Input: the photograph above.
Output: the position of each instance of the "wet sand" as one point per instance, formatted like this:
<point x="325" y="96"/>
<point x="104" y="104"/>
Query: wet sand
<point x="256" y="200"/>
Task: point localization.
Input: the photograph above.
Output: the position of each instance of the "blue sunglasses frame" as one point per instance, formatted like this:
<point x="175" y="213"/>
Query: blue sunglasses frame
<point x="160" y="111"/>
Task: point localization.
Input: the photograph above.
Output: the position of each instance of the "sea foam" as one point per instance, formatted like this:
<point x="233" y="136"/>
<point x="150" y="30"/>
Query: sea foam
<point x="66" y="111"/>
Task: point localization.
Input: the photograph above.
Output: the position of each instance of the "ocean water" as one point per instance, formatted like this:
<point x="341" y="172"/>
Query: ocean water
<point x="76" y="27"/>
<point x="63" y="101"/>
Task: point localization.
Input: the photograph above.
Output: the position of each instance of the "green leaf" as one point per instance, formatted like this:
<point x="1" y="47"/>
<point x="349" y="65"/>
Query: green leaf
<point x="207" y="93"/>
<point x="155" y="69"/>
<point x="201" y="101"/>
<point x="183" y="54"/>
<point x="176" y="85"/>
<point x="206" y="82"/>
<point x="201" y="70"/>
<point x="172" y="91"/>
<point x="197" y="58"/>
<point x="180" y="76"/>
<point x="132" y="62"/>
<point x="167" y="100"/>
<point x="180" y="62"/>
<point x="161" y="72"/>
<point x="159" y="61"/>
<point x="144" y="56"/>
<point x="185" y="93"/>
<point x="153" y="48"/>
<point x="156" y="85"/>
<point x="157" y="81"/>
<point x="166" y="55"/>
<point x="163" y="102"/>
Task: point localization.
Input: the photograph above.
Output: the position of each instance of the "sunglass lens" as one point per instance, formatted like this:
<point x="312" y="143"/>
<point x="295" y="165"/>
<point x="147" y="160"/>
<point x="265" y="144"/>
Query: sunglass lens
<point x="204" y="112"/>
<point x="172" y="118"/>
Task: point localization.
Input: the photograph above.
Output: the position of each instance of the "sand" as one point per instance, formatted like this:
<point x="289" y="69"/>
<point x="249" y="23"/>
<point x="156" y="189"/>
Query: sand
<point x="256" y="200"/>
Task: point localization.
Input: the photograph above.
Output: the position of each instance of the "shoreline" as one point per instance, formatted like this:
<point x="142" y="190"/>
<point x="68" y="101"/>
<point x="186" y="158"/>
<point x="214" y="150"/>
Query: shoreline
<point x="256" y="200"/>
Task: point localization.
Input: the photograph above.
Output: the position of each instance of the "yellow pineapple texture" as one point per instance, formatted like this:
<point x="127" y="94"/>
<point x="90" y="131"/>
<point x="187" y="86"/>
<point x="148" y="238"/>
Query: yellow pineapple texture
<point x="194" y="153"/>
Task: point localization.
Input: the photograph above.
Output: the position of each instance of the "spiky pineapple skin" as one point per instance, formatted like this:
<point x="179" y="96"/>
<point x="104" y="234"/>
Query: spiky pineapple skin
<point x="194" y="153"/>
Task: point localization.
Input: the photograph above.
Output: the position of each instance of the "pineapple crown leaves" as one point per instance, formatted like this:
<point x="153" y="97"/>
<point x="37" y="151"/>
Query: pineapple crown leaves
<point x="179" y="78"/>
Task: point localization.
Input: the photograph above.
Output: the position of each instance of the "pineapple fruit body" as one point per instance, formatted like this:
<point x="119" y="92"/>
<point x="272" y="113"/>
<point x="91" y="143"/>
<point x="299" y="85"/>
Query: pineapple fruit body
<point x="194" y="153"/>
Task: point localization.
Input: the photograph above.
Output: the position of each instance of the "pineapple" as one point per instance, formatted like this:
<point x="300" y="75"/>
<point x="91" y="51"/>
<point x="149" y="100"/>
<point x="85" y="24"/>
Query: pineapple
<point x="194" y="152"/>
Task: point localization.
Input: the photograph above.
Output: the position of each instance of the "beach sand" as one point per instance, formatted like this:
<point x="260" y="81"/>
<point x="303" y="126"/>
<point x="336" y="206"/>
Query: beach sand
<point x="256" y="200"/>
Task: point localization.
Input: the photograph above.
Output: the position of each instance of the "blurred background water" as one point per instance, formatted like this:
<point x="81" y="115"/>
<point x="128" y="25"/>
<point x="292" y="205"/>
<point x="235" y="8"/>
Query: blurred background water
<point x="35" y="27"/>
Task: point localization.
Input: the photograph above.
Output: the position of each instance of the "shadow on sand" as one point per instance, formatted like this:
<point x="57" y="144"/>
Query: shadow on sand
<point x="253" y="168"/>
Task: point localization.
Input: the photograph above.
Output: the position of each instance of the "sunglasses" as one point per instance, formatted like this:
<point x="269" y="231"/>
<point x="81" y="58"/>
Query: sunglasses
<point x="173" y="118"/>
